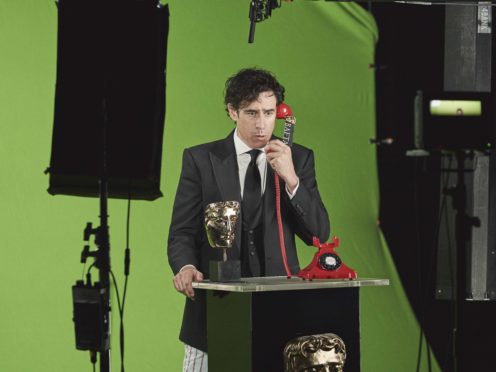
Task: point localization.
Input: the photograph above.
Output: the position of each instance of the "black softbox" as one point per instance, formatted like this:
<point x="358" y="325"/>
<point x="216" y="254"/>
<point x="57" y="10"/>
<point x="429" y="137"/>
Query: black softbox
<point x="110" y="98"/>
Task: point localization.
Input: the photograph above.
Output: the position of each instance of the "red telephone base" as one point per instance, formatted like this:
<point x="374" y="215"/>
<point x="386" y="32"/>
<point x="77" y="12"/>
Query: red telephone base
<point x="326" y="263"/>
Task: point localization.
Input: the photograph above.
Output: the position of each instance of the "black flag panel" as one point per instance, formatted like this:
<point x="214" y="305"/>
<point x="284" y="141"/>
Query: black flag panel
<point x="110" y="98"/>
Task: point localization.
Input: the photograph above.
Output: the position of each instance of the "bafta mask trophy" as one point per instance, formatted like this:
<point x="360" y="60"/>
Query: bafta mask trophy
<point x="320" y="353"/>
<point x="220" y="223"/>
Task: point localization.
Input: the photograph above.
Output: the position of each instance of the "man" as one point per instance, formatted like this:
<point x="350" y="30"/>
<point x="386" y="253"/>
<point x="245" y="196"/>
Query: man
<point x="233" y="169"/>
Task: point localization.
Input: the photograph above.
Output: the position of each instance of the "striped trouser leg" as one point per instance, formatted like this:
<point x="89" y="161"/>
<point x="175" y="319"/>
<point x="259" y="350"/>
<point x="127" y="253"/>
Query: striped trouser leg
<point x="194" y="360"/>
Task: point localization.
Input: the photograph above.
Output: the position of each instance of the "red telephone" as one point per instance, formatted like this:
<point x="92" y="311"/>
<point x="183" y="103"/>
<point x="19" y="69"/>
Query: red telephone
<point x="326" y="263"/>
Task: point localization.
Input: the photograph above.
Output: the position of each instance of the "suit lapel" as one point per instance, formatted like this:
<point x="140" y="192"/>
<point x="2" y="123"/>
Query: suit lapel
<point x="225" y="167"/>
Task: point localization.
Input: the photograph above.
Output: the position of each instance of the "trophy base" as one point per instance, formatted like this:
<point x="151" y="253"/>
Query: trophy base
<point x="225" y="271"/>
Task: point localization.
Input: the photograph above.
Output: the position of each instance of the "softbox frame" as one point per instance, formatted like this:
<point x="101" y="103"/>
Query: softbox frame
<point x="110" y="98"/>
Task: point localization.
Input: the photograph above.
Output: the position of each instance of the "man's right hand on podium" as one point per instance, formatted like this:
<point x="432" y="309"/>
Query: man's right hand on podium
<point x="184" y="278"/>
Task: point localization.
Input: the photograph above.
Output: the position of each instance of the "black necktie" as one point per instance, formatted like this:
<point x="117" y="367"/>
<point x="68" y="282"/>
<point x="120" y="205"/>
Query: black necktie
<point x="252" y="192"/>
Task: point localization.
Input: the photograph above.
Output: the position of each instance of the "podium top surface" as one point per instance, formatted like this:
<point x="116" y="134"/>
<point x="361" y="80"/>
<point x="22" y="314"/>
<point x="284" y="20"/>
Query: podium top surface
<point x="281" y="283"/>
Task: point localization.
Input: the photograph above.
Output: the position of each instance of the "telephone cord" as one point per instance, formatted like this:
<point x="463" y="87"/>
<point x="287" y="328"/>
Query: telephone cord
<point x="279" y="225"/>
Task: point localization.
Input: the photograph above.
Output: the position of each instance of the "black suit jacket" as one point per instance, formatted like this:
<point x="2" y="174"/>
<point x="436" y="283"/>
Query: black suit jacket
<point x="210" y="174"/>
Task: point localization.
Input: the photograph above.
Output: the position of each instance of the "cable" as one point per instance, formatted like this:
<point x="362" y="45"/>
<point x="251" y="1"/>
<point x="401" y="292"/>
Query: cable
<point x="127" y="257"/>
<point x="279" y="225"/>
<point x="121" y="319"/>
<point x="127" y="262"/>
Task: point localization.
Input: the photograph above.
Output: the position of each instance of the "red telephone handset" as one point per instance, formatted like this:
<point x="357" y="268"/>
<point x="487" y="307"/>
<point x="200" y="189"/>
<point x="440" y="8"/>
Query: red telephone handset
<point x="283" y="112"/>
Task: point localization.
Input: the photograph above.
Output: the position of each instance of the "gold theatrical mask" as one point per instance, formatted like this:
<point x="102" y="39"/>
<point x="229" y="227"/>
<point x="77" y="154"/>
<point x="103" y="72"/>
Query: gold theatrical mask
<point x="316" y="353"/>
<point x="220" y="223"/>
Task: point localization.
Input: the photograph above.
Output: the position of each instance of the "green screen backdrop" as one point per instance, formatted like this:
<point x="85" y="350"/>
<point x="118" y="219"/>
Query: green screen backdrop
<point x="319" y="50"/>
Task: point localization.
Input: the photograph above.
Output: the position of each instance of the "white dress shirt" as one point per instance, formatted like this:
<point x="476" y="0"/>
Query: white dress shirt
<point x="244" y="160"/>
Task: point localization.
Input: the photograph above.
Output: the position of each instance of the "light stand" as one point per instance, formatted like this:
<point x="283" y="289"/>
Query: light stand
<point x="110" y="93"/>
<point x="102" y="262"/>
<point x="100" y="292"/>
<point x="463" y="227"/>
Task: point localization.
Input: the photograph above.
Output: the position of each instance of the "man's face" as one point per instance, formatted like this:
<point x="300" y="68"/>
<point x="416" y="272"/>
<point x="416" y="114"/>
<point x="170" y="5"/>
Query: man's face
<point x="256" y="120"/>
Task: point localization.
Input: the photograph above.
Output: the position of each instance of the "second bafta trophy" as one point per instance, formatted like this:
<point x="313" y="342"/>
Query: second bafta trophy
<point x="220" y="223"/>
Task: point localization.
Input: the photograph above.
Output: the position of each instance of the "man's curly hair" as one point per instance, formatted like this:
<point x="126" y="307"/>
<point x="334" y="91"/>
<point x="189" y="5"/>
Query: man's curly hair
<point x="246" y="85"/>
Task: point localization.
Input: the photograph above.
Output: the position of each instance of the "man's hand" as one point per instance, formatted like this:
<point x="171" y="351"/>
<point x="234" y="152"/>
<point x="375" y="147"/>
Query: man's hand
<point x="279" y="158"/>
<point x="184" y="279"/>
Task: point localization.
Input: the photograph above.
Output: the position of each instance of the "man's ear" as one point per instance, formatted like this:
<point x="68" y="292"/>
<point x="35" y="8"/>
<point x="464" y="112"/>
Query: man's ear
<point x="233" y="113"/>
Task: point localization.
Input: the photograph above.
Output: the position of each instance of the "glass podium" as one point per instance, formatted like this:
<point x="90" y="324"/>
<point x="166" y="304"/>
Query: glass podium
<point x="249" y="322"/>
